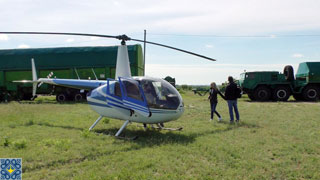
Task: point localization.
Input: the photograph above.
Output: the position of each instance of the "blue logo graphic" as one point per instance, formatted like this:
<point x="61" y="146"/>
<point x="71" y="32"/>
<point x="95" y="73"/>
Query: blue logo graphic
<point x="10" y="169"/>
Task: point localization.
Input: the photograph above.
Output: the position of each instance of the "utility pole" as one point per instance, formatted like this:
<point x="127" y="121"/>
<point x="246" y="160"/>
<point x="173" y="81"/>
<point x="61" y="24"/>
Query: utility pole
<point x="144" y="52"/>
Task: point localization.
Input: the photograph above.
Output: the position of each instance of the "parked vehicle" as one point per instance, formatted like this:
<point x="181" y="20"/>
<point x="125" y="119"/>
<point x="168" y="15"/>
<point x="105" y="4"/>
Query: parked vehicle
<point x="171" y="80"/>
<point x="98" y="62"/>
<point x="273" y="85"/>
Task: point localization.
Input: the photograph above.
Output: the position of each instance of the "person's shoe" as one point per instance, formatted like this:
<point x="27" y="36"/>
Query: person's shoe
<point x="219" y="119"/>
<point x="210" y="120"/>
<point x="237" y="120"/>
<point x="231" y="121"/>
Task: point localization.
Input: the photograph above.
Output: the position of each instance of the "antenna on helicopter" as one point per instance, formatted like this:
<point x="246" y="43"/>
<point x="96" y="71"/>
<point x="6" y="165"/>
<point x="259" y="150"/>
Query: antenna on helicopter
<point x="123" y="39"/>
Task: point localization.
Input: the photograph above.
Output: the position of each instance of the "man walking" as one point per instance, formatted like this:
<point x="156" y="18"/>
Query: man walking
<point x="231" y="95"/>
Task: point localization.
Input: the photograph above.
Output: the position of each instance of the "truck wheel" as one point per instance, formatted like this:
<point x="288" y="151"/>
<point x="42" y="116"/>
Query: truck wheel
<point x="78" y="97"/>
<point x="262" y="93"/>
<point x="288" y="73"/>
<point x="251" y="97"/>
<point x="311" y="93"/>
<point x="281" y="93"/>
<point x="298" y="97"/>
<point x="61" y="97"/>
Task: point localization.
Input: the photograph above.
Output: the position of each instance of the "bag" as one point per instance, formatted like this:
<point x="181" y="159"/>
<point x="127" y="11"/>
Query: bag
<point x="238" y="92"/>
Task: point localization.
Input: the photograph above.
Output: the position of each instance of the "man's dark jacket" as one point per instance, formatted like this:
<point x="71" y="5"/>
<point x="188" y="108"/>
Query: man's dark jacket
<point x="231" y="91"/>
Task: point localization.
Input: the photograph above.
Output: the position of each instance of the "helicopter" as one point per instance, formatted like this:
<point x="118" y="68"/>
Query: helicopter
<point x="139" y="99"/>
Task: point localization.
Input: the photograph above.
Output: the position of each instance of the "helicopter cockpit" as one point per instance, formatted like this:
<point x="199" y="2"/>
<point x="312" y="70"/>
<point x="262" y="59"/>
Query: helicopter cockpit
<point x="153" y="92"/>
<point x="160" y="94"/>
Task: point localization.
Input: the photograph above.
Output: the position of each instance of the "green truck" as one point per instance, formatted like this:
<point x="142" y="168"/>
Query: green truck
<point x="273" y="85"/>
<point x="96" y="62"/>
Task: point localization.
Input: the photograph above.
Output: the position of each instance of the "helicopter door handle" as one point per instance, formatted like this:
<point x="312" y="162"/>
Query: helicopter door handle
<point x="131" y="112"/>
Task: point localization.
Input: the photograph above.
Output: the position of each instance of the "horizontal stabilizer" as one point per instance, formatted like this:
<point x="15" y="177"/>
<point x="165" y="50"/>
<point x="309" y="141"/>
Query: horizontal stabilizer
<point x="74" y="83"/>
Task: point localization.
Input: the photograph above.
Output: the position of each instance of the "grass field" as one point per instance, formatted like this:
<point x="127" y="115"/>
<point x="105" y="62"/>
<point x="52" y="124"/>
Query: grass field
<point x="274" y="140"/>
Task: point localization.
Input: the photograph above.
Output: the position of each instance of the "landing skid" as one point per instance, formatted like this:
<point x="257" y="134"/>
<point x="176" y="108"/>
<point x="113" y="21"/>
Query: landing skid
<point x="164" y="128"/>
<point x="169" y="129"/>
<point x="127" y="138"/>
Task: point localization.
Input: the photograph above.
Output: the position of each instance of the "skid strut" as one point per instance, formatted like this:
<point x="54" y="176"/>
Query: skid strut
<point x="122" y="128"/>
<point x="95" y="123"/>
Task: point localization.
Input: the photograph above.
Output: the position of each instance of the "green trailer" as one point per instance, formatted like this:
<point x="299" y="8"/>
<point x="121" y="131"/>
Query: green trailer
<point x="273" y="85"/>
<point x="63" y="62"/>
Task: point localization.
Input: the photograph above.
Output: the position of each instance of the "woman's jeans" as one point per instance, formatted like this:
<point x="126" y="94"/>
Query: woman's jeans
<point x="232" y="104"/>
<point x="213" y="109"/>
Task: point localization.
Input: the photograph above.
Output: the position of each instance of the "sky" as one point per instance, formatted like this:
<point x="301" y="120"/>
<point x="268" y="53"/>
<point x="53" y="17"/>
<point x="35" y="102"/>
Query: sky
<point x="243" y="35"/>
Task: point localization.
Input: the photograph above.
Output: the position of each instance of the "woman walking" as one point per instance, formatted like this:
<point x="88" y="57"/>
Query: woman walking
<point x="214" y="100"/>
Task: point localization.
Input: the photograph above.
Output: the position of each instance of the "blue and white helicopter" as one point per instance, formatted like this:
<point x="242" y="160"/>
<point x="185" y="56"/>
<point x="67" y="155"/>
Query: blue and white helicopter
<point x="138" y="99"/>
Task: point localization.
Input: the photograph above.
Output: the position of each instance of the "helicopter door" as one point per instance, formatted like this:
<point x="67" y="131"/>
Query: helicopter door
<point x="133" y="96"/>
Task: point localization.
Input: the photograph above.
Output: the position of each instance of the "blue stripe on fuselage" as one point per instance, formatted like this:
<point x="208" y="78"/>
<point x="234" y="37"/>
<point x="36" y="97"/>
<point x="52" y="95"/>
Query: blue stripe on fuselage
<point x="98" y="104"/>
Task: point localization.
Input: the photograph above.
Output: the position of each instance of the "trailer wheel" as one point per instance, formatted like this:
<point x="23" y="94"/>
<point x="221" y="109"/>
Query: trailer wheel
<point x="311" y="93"/>
<point x="262" y="93"/>
<point x="61" y="97"/>
<point x="78" y="97"/>
<point x="281" y="93"/>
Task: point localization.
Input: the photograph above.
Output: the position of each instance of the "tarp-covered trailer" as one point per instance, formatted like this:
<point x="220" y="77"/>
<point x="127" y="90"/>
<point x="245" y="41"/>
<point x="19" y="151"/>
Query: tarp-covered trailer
<point x="63" y="62"/>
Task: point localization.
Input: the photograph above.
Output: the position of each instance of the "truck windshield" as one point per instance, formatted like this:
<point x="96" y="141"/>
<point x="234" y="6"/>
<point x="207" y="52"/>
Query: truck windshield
<point x="242" y="76"/>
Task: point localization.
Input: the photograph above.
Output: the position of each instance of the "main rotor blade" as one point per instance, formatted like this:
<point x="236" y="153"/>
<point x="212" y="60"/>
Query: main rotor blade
<point x="120" y="37"/>
<point x="170" y="47"/>
<point x="72" y="34"/>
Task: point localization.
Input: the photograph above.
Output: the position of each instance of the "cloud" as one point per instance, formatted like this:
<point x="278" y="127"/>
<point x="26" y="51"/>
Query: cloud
<point x="179" y="16"/>
<point x="70" y="40"/>
<point x="209" y="46"/>
<point x="116" y="3"/>
<point x="297" y="55"/>
<point x="94" y="38"/>
<point x="273" y="36"/>
<point x="22" y="46"/>
<point x="4" y="37"/>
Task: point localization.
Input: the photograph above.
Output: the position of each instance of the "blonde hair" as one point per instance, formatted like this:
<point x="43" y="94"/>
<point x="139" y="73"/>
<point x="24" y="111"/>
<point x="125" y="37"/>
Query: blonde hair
<point x="213" y="85"/>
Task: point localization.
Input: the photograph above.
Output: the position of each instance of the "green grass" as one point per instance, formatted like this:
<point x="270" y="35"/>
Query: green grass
<point x="274" y="140"/>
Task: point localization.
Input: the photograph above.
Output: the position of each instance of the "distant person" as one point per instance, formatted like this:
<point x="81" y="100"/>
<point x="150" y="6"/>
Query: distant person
<point x="231" y="95"/>
<point x="214" y="100"/>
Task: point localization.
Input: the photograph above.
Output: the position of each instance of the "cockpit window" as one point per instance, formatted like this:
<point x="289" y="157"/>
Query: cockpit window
<point x="160" y="95"/>
<point x="114" y="88"/>
<point x="132" y="89"/>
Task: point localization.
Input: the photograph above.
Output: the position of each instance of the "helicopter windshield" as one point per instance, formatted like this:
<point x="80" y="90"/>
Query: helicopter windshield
<point x="160" y="94"/>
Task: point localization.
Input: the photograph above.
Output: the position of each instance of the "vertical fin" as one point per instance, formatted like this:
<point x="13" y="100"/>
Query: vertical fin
<point x="34" y="72"/>
<point x="34" y="78"/>
<point x="123" y="64"/>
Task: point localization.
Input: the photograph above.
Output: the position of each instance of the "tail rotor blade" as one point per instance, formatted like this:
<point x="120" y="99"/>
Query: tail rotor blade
<point x="40" y="84"/>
